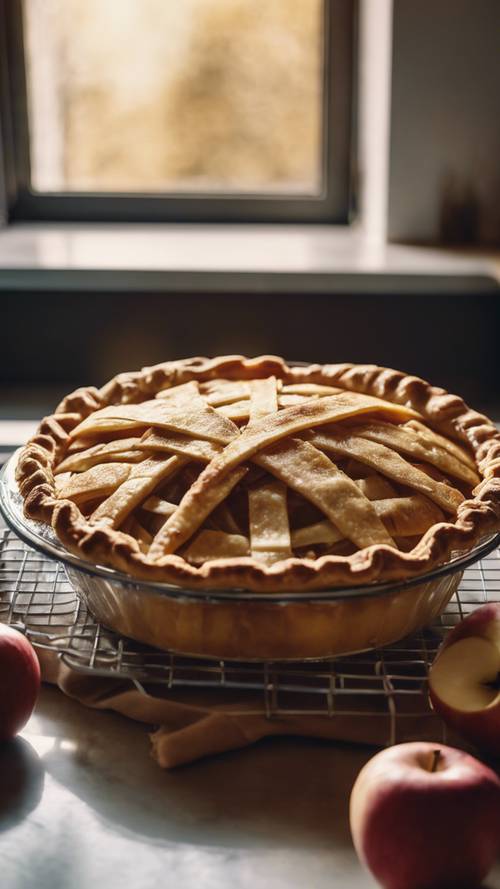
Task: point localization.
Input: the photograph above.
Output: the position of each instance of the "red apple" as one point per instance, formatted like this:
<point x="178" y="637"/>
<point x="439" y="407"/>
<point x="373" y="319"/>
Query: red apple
<point x="464" y="682"/>
<point x="19" y="681"/>
<point x="426" y="816"/>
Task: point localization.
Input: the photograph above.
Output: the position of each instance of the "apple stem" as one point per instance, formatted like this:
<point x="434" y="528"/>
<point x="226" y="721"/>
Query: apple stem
<point x="435" y="759"/>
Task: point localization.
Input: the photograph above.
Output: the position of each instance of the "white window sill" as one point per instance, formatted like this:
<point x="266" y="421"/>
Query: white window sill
<point x="239" y="258"/>
<point x="14" y="432"/>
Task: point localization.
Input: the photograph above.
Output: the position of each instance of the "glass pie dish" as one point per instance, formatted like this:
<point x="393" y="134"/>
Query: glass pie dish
<point x="235" y="624"/>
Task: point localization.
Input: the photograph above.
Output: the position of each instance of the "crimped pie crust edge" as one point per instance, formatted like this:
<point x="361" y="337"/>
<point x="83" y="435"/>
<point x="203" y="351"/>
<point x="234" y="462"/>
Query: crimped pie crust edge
<point x="448" y="414"/>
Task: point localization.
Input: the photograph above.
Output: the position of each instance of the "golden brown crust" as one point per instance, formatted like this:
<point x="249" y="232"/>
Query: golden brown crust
<point x="447" y="414"/>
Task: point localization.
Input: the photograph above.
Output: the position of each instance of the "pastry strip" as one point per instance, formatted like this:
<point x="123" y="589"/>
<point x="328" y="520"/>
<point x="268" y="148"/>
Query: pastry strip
<point x="120" y="451"/>
<point x="98" y="481"/>
<point x="289" y="400"/>
<point x="209" y="545"/>
<point x="403" y="517"/>
<point x="432" y="437"/>
<point x="104" y="426"/>
<point x="267" y="501"/>
<point x="418" y="445"/>
<point x="174" y="443"/>
<point x="375" y="487"/>
<point x="227" y="394"/>
<point x="408" y="516"/>
<point x="221" y="384"/>
<point x="268" y="522"/>
<point x="238" y="411"/>
<point x="192" y="417"/>
<point x="142" y="481"/>
<point x="77" y="445"/>
<point x="183" y="392"/>
<point x="389" y="463"/>
<point x="320" y="532"/>
<point x="192" y="511"/>
<point x="310" y="389"/>
<point x="159" y="506"/>
<point x="263" y="398"/>
<point x="60" y="482"/>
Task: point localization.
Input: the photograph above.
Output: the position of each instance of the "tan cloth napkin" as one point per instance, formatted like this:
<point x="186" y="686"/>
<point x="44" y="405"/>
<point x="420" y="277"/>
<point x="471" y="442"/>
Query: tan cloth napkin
<point x="191" y="723"/>
<point x="195" y="723"/>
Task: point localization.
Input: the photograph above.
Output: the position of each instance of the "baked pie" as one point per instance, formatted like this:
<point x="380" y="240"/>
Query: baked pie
<point x="250" y="473"/>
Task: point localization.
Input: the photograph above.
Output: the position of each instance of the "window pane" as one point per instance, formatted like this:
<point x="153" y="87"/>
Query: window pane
<point x="155" y="96"/>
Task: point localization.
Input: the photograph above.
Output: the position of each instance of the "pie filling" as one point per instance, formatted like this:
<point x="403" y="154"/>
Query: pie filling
<point x="263" y="470"/>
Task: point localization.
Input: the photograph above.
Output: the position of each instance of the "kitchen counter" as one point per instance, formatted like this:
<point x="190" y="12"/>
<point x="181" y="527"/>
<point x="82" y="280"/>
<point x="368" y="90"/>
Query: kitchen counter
<point x="84" y="806"/>
<point x="92" y="809"/>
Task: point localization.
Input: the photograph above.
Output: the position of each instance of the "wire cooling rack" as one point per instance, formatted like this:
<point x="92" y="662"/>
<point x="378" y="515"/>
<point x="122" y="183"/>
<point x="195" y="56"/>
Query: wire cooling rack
<point x="389" y="683"/>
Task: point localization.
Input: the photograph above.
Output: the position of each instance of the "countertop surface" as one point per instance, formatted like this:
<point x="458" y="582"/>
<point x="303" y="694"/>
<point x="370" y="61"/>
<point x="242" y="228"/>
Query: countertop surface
<point x="86" y="806"/>
<point x="83" y="806"/>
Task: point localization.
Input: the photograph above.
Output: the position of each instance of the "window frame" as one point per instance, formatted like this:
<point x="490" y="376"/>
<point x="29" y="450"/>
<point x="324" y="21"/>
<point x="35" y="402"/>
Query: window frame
<point x="334" y="205"/>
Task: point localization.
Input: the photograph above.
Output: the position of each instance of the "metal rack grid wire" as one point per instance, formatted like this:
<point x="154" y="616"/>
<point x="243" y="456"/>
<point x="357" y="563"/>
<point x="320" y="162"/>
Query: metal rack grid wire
<point x="390" y="683"/>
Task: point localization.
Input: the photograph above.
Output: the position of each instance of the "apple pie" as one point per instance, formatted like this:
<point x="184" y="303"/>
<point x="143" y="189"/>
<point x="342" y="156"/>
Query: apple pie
<point x="253" y="474"/>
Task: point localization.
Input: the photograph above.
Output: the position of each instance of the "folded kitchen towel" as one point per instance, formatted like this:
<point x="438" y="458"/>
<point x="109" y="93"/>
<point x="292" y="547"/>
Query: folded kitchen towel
<point x="193" y="723"/>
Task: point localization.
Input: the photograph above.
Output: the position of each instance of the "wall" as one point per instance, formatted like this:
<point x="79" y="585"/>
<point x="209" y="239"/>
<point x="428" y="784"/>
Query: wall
<point x="445" y="135"/>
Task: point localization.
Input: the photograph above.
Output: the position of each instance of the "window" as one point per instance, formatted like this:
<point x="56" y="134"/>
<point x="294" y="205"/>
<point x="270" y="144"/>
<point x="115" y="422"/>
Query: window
<point x="200" y="110"/>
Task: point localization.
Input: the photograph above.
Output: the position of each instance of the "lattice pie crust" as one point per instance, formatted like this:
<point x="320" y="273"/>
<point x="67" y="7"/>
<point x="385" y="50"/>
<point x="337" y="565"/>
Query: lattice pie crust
<point x="249" y="473"/>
